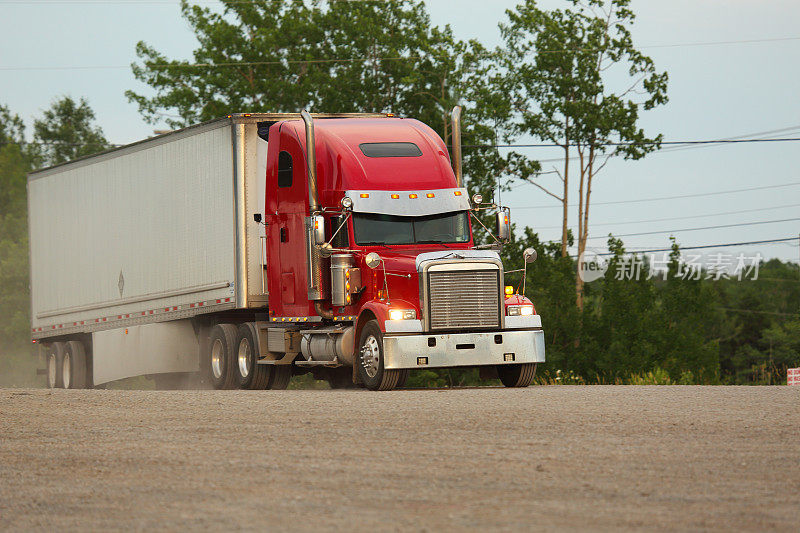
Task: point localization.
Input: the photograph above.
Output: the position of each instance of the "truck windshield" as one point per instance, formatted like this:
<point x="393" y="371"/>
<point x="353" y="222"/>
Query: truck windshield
<point x="391" y="229"/>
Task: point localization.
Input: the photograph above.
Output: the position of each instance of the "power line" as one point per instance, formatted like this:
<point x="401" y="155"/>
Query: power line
<point x="654" y="199"/>
<point x="627" y="222"/>
<point x="648" y="143"/>
<point x="698" y="229"/>
<point x="315" y="61"/>
<point x="670" y="149"/>
<point x="726" y="245"/>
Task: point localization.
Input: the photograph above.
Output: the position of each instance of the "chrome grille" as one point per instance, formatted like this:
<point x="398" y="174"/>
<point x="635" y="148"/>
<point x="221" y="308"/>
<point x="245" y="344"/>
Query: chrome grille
<point x="464" y="299"/>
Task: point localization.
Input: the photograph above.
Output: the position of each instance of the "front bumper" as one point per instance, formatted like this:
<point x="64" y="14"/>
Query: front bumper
<point x="463" y="349"/>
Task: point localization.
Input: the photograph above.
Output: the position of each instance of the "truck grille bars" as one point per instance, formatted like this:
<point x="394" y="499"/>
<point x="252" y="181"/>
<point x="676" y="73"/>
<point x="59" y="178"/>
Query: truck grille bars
<point x="464" y="299"/>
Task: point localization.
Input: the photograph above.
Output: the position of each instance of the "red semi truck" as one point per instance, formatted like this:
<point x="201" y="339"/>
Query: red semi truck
<point x="259" y="246"/>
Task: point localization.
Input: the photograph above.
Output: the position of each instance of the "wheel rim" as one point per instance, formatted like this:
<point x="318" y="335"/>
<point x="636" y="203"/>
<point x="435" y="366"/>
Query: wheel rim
<point x="244" y="358"/>
<point x="370" y="356"/>
<point x="217" y="350"/>
<point x="51" y="371"/>
<point x="66" y="371"/>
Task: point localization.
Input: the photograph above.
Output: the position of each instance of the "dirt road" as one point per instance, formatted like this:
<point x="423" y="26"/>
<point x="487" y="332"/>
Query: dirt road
<point x="673" y="458"/>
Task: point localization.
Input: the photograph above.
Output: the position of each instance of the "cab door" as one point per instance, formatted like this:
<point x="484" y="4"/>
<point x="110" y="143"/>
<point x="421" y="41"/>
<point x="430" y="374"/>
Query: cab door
<point x="287" y="205"/>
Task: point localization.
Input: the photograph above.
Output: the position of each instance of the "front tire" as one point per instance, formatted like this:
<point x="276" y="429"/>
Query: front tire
<point x="249" y="374"/>
<point x="370" y="360"/>
<point x="221" y="358"/>
<point x="520" y="375"/>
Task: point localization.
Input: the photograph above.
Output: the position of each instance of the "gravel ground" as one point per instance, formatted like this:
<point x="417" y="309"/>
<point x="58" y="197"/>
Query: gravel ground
<point x="598" y="458"/>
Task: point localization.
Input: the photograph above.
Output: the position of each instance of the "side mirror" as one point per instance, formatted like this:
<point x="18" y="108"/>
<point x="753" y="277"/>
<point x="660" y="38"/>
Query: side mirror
<point x="503" y="225"/>
<point x="529" y="255"/>
<point x="373" y="260"/>
<point x="318" y="225"/>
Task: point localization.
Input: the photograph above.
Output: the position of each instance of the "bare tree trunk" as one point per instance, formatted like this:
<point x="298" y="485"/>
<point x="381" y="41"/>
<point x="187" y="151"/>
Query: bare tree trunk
<point x="581" y="233"/>
<point x="565" y="198"/>
<point x="583" y="211"/>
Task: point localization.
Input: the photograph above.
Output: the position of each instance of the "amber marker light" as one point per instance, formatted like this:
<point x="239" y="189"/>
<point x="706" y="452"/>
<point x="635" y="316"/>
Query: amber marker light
<point x="430" y="195"/>
<point x="413" y="196"/>
<point x="457" y="193"/>
<point x="364" y="195"/>
<point x="509" y="290"/>
<point x="395" y="196"/>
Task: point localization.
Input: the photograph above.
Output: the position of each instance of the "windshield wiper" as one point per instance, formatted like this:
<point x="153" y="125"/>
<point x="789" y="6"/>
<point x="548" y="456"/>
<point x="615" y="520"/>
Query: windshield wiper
<point x="373" y="243"/>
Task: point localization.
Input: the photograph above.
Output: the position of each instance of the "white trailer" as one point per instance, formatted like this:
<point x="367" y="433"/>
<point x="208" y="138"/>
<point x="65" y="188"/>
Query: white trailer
<point x="127" y="245"/>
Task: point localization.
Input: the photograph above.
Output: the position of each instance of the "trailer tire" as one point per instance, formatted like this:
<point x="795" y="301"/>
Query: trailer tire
<point x="249" y="374"/>
<point x="55" y="361"/>
<point x="369" y="360"/>
<point x="75" y="358"/>
<point x="221" y="356"/>
<point x="520" y="375"/>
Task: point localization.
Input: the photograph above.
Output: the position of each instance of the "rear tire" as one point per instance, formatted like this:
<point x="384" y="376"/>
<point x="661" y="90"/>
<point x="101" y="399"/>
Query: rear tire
<point x="249" y="374"/>
<point x="520" y="375"/>
<point x="221" y="356"/>
<point x="55" y="362"/>
<point x="369" y="360"/>
<point x="280" y="377"/>
<point x="341" y="378"/>
<point x="75" y="356"/>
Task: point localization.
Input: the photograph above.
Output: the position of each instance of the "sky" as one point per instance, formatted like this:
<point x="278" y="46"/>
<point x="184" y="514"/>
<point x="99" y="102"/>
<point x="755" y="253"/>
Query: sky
<point x="721" y="86"/>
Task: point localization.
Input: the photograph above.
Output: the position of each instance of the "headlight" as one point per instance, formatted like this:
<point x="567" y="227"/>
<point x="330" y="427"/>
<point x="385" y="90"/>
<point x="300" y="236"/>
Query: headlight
<point x="402" y="314"/>
<point x="519" y="310"/>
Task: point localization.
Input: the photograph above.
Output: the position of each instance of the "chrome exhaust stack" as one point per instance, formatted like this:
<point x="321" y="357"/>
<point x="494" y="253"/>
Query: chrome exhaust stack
<point x="455" y="117"/>
<point x="311" y="160"/>
<point x="315" y="285"/>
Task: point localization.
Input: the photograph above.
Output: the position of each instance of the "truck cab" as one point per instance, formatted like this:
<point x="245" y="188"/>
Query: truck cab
<point x="373" y="243"/>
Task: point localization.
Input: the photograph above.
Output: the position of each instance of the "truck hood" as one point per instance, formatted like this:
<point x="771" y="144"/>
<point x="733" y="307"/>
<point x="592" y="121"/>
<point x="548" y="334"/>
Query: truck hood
<point x="456" y="255"/>
<point x="407" y="261"/>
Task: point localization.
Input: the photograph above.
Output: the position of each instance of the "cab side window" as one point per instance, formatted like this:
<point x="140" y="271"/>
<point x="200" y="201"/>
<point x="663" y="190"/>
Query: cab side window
<point x="284" y="170"/>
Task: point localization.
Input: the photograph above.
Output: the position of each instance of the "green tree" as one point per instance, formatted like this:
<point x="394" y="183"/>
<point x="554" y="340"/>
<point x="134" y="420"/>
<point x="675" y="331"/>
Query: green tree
<point x="751" y="308"/>
<point x="66" y="132"/>
<point x="277" y="56"/>
<point x="14" y="303"/>
<point x="562" y="69"/>
<point x="12" y="129"/>
<point x="339" y="56"/>
<point x="689" y="338"/>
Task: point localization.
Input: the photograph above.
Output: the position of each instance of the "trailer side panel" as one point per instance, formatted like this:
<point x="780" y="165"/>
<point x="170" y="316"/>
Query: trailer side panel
<point x="134" y="236"/>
